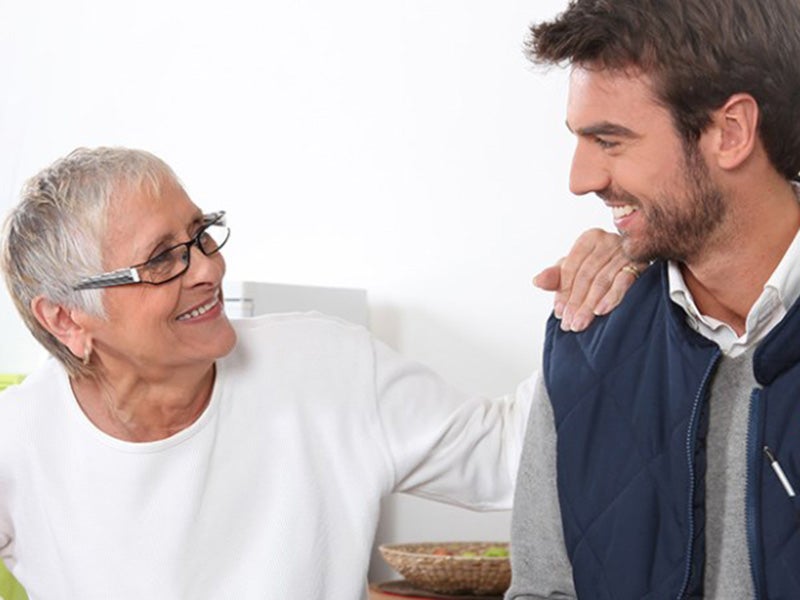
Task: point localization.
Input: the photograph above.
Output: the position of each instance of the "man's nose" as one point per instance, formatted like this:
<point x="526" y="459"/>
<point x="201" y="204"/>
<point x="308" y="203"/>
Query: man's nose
<point x="588" y="172"/>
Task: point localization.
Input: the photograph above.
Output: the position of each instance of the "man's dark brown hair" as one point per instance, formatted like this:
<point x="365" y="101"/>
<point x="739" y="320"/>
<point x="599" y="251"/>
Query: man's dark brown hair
<point x="698" y="53"/>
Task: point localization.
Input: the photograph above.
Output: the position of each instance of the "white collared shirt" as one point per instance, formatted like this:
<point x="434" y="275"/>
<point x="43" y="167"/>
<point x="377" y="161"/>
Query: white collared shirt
<point x="781" y="290"/>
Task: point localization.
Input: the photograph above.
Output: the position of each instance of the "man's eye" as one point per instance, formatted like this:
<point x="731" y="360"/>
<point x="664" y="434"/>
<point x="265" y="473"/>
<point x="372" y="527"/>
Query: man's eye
<point x="605" y="144"/>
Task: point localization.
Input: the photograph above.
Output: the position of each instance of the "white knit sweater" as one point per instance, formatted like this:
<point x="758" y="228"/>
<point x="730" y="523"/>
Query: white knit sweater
<point x="272" y="493"/>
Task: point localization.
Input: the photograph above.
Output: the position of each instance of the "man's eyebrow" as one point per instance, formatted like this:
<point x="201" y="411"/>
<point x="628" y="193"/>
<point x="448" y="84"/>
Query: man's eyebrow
<point x="604" y="128"/>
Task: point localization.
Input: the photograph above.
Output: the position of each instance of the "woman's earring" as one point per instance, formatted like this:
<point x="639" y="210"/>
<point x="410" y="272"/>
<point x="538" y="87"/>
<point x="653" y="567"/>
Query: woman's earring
<point x="87" y="352"/>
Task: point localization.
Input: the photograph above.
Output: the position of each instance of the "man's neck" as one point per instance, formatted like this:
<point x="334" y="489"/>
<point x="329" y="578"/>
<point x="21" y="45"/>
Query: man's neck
<point x="730" y="275"/>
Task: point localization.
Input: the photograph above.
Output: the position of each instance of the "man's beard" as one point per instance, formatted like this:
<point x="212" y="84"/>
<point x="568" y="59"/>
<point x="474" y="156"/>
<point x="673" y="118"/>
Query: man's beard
<point x="676" y="227"/>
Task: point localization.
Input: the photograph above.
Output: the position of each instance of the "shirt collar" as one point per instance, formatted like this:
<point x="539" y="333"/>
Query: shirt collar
<point x="785" y="280"/>
<point x="780" y="292"/>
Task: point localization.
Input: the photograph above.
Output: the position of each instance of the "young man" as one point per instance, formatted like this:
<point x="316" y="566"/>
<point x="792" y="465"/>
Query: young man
<point x="663" y="451"/>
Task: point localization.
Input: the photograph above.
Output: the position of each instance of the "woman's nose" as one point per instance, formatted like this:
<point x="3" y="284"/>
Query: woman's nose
<point x="203" y="268"/>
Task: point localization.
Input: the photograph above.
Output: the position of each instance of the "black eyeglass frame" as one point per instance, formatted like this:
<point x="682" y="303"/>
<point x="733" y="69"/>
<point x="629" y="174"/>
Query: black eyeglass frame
<point x="130" y="275"/>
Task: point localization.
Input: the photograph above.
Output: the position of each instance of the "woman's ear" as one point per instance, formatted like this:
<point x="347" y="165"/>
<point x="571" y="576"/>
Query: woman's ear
<point x="64" y="324"/>
<point x="736" y="123"/>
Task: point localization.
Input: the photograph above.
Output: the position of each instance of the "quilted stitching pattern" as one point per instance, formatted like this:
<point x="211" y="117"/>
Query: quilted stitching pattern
<point x="644" y="494"/>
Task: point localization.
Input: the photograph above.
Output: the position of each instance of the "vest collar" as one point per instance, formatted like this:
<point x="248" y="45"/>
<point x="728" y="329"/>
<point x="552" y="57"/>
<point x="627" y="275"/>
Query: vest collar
<point x="776" y="353"/>
<point x="780" y="350"/>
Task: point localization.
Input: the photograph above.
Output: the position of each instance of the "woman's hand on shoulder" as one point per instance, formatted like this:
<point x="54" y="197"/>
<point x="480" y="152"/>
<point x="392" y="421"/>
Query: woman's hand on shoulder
<point x="591" y="280"/>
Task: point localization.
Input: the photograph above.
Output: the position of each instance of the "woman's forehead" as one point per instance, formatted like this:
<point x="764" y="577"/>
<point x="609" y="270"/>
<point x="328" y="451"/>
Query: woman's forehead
<point x="139" y="219"/>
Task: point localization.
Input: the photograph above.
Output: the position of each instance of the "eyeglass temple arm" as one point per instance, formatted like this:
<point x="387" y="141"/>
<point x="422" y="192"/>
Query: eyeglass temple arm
<point x="215" y="218"/>
<point x="118" y="277"/>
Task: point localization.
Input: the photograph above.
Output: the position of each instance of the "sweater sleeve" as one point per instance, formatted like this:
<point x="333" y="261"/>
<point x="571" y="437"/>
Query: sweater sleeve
<point x="446" y="445"/>
<point x="539" y="563"/>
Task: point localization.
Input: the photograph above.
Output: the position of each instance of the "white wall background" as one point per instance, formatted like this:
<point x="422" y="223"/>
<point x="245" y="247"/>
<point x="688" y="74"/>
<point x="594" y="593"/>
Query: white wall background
<point x="402" y="146"/>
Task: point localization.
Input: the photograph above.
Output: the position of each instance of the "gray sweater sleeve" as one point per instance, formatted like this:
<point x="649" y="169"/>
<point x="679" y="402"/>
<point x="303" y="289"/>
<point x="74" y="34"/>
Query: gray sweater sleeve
<point x="540" y="566"/>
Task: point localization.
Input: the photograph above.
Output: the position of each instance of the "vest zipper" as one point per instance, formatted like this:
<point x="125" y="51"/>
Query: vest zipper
<point x="753" y="455"/>
<point x="691" y="439"/>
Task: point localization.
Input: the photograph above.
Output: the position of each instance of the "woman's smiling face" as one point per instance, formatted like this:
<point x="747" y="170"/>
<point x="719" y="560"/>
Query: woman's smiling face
<point x="158" y="328"/>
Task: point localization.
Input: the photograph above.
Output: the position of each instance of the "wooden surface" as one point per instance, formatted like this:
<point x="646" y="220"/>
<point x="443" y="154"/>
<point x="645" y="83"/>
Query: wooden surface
<point x="376" y="595"/>
<point x="401" y="590"/>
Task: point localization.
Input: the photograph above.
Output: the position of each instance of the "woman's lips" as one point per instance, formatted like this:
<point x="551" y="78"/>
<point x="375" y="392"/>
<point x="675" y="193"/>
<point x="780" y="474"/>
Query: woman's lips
<point x="199" y="310"/>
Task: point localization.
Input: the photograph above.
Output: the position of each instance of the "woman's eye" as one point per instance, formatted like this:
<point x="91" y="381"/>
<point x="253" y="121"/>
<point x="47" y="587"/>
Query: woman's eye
<point x="160" y="259"/>
<point x="164" y="262"/>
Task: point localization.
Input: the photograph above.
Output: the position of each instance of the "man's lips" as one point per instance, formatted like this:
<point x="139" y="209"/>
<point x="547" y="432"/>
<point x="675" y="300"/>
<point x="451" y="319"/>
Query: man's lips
<point x="621" y="211"/>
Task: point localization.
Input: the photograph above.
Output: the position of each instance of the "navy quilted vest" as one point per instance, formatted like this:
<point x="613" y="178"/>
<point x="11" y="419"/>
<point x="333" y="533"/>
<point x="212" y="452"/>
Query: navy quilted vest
<point x="629" y="399"/>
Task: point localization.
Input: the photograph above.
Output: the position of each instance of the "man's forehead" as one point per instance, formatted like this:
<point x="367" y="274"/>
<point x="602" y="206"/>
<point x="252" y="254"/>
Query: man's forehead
<point x="621" y="97"/>
<point x="612" y="81"/>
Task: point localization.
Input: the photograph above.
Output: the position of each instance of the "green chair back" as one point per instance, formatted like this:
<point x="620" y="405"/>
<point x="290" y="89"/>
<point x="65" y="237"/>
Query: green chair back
<point x="10" y="589"/>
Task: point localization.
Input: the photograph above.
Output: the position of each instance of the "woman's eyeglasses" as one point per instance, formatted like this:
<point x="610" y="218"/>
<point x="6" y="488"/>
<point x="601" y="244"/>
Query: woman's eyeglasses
<point x="169" y="264"/>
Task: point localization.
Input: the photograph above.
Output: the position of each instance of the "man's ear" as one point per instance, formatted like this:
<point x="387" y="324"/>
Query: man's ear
<point x="64" y="324"/>
<point x="736" y="125"/>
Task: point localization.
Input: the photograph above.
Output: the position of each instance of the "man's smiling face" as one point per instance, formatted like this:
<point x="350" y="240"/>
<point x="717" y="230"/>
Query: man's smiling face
<point x="663" y="199"/>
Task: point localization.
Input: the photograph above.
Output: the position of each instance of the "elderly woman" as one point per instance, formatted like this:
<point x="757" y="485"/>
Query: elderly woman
<point x="168" y="452"/>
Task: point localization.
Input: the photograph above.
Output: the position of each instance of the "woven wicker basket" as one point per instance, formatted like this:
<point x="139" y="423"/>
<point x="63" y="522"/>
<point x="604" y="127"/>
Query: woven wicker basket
<point x="456" y="574"/>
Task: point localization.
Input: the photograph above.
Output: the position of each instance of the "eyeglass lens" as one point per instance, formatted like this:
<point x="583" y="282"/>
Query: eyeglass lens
<point x="175" y="261"/>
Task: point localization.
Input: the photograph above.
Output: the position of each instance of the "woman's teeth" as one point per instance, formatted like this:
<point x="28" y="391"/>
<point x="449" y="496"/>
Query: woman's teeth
<point x="622" y="211"/>
<point x="196" y="312"/>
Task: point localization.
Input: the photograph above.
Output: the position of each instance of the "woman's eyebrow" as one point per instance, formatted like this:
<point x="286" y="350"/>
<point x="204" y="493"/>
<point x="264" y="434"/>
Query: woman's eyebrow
<point x="167" y="240"/>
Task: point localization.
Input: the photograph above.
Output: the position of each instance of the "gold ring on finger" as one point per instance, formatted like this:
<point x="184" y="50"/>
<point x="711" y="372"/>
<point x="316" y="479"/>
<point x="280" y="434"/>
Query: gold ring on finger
<point x="630" y="268"/>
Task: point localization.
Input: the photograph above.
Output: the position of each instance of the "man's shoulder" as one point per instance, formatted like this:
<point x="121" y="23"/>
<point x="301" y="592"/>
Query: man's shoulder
<point x="647" y="326"/>
<point x="643" y="303"/>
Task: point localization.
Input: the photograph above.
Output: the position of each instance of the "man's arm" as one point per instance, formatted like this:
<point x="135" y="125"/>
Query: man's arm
<point x="540" y="566"/>
<point x="591" y="280"/>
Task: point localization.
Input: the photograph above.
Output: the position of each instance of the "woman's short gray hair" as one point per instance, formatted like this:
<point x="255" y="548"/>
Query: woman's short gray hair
<point x="53" y="237"/>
